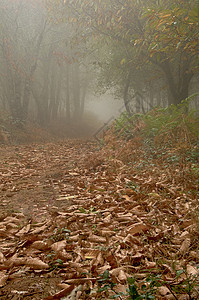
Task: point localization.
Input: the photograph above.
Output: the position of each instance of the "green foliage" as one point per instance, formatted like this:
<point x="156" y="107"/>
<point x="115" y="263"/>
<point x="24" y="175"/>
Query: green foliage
<point x="106" y="284"/>
<point x="91" y="210"/>
<point x="173" y="27"/>
<point x="55" y="264"/>
<point x="162" y="125"/>
<point x="141" y="38"/>
<point x="60" y="234"/>
<point x="147" y="288"/>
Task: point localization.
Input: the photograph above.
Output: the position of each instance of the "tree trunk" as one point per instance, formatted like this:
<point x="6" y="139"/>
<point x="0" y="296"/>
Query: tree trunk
<point x="125" y="96"/>
<point x="67" y="99"/>
<point x="180" y="91"/>
<point x="26" y="98"/>
<point x="83" y="96"/>
<point x="76" y="92"/>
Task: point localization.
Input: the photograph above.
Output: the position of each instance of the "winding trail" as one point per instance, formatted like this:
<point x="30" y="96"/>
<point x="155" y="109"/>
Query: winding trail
<point x="33" y="177"/>
<point x="69" y="212"/>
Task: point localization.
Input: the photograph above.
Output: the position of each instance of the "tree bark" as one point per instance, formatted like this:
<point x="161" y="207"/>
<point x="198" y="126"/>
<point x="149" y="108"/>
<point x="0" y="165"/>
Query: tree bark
<point x="177" y="91"/>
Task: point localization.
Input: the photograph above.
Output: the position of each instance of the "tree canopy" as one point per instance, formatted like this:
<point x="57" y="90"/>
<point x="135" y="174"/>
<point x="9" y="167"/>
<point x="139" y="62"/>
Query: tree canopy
<point x="159" y="33"/>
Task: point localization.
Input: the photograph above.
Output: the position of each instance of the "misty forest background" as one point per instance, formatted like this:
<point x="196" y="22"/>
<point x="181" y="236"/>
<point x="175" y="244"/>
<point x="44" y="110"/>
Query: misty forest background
<point x="117" y="218"/>
<point x="57" y="56"/>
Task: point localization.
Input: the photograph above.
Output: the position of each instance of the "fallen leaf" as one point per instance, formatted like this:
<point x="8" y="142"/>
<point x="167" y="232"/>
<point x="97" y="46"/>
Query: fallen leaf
<point x="185" y="246"/>
<point x="36" y="264"/>
<point x="122" y="276"/>
<point x="24" y="230"/>
<point x="97" y="239"/>
<point x="40" y="245"/>
<point x="3" y="278"/>
<point x="58" y="246"/>
<point x="192" y="270"/>
<point x="61" y="294"/>
<point x="138" y="228"/>
<point x="2" y="258"/>
<point x="39" y="229"/>
<point x="163" y="290"/>
<point x="78" y="281"/>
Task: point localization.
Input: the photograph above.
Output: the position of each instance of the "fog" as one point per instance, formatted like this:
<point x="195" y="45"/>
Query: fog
<point x="53" y="70"/>
<point x="104" y="107"/>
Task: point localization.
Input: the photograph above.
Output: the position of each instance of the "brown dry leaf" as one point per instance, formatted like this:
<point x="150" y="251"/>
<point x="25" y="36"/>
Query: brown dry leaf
<point x="12" y="227"/>
<point x="39" y="230"/>
<point x="91" y="254"/>
<point x="78" y="295"/>
<point x="107" y="220"/>
<point x="61" y="294"/>
<point x="3" y="278"/>
<point x="120" y="288"/>
<point x="4" y="233"/>
<point x="11" y="220"/>
<point x="101" y="270"/>
<point x="150" y="264"/>
<point x="185" y="246"/>
<point x="97" y="239"/>
<point x="78" y="281"/>
<point x="63" y="285"/>
<point x="122" y="276"/>
<point x="192" y="270"/>
<point x="131" y="240"/>
<point x="154" y="196"/>
<point x="64" y="255"/>
<point x="184" y="297"/>
<point x="58" y="246"/>
<point x="74" y="238"/>
<point x="2" y="258"/>
<point x="20" y="273"/>
<point x="138" y="228"/>
<point x="111" y="259"/>
<point x="63" y="197"/>
<point x="40" y="245"/>
<point x="36" y="264"/>
<point x="185" y="234"/>
<point x="79" y="267"/>
<point x="136" y="259"/>
<point x="107" y="233"/>
<point x="16" y="261"/>
<point x="115" y="272"/>
<point x="124" y="218"/>
<point x="194" y="255"/>
<point x="168" y="269"/>
<point x="126" y="197"/>
<point x="163" y="290"/>
<point x="24" y="230"/>
<point x="99" y="260"/>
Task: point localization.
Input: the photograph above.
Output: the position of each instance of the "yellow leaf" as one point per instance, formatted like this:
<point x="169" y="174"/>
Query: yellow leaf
<point x="123" y="61"/>
<point x="166" y="16"/>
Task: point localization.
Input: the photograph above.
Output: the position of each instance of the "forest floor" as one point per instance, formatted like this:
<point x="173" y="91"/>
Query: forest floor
<point x="76" y="222"/>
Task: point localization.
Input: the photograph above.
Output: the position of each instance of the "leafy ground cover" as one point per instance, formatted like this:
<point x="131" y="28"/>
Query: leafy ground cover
<point x="83" y="221"/>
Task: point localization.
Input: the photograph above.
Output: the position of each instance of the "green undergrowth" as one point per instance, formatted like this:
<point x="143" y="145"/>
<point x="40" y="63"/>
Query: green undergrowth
<point x="162" y="126"/>
<point x="171" y="133"/>
<point x="147" y="288"/>
<point x="163" y="142"/>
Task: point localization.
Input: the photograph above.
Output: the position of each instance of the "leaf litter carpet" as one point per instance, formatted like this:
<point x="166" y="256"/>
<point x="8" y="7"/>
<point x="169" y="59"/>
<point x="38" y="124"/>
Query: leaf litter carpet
<point x="68" y="213"/>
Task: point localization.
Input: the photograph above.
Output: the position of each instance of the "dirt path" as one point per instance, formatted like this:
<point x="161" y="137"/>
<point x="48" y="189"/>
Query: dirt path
<point x="68" y="213"/>
<point x="35" y="182"/>
<point x="33" y="178"/>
